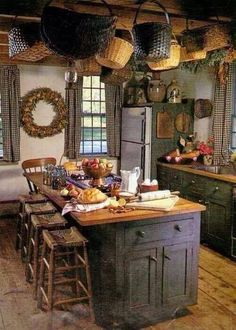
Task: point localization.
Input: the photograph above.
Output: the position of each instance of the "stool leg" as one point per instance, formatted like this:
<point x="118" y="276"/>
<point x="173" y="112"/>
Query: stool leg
<point x="28" y="273"/>
<point x="76" y="261"/>
<point x="18" y="243"/>
<point x="24" y="238"/>
<point x="36" y="262"/>
<point x="42" y="275"/>
<point x="50" y="280"/>
<point x="88" y="282"/>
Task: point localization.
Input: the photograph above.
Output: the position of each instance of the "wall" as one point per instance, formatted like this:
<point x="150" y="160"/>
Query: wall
<point x="11" y="179"/>
<point x="195" y="86"/>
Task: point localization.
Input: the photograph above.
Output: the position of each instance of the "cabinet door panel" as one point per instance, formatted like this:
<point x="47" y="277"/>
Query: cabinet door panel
<point x="176" y="272"/>
<point x="140" y="279"/>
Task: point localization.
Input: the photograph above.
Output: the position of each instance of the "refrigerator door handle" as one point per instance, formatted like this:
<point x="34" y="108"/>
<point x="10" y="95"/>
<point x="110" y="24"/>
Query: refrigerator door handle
<point x="143" y="130"/>
<point x="142" y="157"/>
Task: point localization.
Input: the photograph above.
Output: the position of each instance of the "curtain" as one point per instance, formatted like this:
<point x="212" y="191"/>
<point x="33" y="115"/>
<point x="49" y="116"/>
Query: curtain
<point x="114" y="99"/>
<point x="10" y="104"/>
<point x="73" y="97"/>
<point x="221" y="129"/>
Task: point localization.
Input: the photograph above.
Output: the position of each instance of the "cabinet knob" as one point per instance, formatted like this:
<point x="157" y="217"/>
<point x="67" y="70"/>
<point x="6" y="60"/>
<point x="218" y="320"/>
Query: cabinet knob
<point x="175" y="177"/>
<point x="140" y="233"/>
<point x="178" y="227"/>
<point x="167" y="257"/>
<point x="206" y="203"/>
<point x="153" y="258"/>
<point x="193" y="181"/>
<point x="217" y="188"/>
<point x="200" y="201"/>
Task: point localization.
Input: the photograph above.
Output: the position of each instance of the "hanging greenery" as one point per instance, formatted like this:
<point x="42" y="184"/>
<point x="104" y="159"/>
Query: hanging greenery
<point x="28" y="106"/>
<point x="213" y="60"/>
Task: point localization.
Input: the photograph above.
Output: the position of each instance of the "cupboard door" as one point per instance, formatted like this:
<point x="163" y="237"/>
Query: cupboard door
<point x="140" y="278"/>
<point x="177" y="266"/>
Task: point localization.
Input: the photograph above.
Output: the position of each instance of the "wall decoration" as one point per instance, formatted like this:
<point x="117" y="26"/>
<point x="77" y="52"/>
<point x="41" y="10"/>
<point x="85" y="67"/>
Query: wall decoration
<point x="183" y="122"/>
<point x="165" y="125"/>
<point x="53" y="98"/>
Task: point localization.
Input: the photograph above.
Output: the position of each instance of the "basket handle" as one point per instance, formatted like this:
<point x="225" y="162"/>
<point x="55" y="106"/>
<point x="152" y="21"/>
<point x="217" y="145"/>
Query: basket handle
<point x="159" y="4"/>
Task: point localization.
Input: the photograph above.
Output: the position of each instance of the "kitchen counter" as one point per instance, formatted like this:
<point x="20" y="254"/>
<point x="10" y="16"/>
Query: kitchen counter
<point x="144" y="264"/>
<point x="190" y="169"/>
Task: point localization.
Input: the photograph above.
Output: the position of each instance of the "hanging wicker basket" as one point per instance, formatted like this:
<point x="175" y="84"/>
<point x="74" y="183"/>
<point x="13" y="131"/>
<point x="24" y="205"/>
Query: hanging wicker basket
<point x="152" y="40"/>
<point x="116" y="55"/>
<point x="193" y="40"/>
<point x="115" y="77"/>
<point x="169" y="63"/>
<point x="216" y="36"/>
<point x="193" y="56"/>
<point x="76" y="35"/>
<point x="25" y="43"/>
<point x="88" y="67"/>
<point x="202" y="108"/>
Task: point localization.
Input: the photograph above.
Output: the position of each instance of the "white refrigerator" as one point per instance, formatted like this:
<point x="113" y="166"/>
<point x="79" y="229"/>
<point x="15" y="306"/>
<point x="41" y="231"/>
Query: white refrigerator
<point x="136" y="131"/>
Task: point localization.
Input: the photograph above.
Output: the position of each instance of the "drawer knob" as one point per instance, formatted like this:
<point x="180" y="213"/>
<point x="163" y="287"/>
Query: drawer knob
<point x="216" y="188"/>
<point x="193" y="181"/>
<point x="153" y="259"/>
<point x="167" y="257"/>
<point x="207" y="203"/>
<point x="200" y="201"/>
<point x="178" y="228"/>
<point x="175" y="177"/>
<point x="140" y="233"/>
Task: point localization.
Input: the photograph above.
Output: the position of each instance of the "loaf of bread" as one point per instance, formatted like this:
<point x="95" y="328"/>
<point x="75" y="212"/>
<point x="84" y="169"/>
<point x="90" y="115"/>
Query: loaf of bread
<point x="92" y="195"/>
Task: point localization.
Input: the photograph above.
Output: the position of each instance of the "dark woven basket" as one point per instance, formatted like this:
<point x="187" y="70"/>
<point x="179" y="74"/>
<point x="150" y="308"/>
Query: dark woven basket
<point x="202" y="108"/>
<point x="152" y="40"/>
<point x="25" y="43"/>
<point x="76" y="35"/>
<point x="193" y="40"/>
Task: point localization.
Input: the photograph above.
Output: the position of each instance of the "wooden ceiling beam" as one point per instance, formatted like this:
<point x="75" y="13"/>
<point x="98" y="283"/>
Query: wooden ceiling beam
<point x="48" y="61"/>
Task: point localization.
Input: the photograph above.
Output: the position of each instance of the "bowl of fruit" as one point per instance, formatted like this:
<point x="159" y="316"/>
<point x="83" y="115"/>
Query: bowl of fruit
<point x="97" y="169"/>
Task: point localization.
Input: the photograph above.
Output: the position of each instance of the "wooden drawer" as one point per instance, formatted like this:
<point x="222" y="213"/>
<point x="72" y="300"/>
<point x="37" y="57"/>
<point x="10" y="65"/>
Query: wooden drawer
<point x="219" y="190"/>
<point x="194" y="184"/>
<point x="160" y="231"/>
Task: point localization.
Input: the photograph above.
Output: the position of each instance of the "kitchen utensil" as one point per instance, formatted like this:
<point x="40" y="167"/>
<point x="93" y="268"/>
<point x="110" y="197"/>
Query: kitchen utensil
<point x="165" y="125"/>
<point x="163" y="204"/>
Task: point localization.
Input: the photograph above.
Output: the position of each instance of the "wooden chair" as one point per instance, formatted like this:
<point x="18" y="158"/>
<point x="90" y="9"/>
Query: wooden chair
<point x="36" y="165"/>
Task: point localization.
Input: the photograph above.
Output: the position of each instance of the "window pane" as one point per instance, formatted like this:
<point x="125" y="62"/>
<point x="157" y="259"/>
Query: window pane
<point x="95" y="94"/>
<point x="103" y="95"/>
<point x="234" y="124"/>
<point x="95" y="81"/>
<point x="96" y="121"/>
<point x="97" y="147"/>
<point x="0" y="123"/>
<point x="104" y="134"/>
<point x="87" y="122"/>
<point x="86" y="81"/>
<point x="87" y="107"/>
<point x="87" y="147"/>
<point x="102" y="85"/>
<point x="104" y="147"/>
<point x="103" y="107"/>
<point x="88" y="134"/>
<point x="233" y="140"/>
<point x="104" y="122"/>
<point x="86" y="94"/>
<point x="96" y="107"/>
<point x="97" y="134"/>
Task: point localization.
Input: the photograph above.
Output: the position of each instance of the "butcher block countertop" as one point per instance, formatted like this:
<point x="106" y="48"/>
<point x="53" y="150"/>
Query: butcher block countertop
<point x="104" y="216"/>
<point x="188" y="168"/>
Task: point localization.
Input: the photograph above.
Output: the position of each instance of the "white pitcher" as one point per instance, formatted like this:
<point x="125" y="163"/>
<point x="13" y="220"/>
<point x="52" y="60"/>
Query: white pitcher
<point x="129" y="180"/>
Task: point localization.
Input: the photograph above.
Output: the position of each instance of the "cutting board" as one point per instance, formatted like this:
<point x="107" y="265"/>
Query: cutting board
<point x="165" y="125"/>
<point x="165" y="204"/>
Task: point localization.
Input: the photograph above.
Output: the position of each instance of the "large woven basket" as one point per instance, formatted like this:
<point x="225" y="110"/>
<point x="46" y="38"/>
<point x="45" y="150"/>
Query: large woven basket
<point x="193" y="56"/>
<point x="76" y="35"/>
<point x="115" y="77"/>
<point x="216" y="36"/>
<point x="169" y="63"/>
<point x="192" y="40"/>
<point x="116" y="55"/>
<point x="25" y="43"/>
<point x="152" y="40"/>
<point x="88" y="67"/>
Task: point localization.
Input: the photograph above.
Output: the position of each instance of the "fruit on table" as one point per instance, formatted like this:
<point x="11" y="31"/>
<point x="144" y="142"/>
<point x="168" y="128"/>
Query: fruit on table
<point x="96" y="163"/>
<point x="64" y="192"/>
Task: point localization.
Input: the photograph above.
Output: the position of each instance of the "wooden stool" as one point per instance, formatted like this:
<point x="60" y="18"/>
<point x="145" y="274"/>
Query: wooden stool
<point x="25" y="199"/>
<point x="59" y="244"/>
<point x="30" y="209"/>
<point x="38" y="223"/>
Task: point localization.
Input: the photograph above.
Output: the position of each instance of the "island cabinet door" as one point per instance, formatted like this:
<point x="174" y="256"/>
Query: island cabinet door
<point x="140" y="280"/>
<point x="177" y="272"/>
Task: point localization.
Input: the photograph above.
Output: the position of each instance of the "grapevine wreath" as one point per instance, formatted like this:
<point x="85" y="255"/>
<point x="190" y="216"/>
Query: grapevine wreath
<point x="29" y="102"/>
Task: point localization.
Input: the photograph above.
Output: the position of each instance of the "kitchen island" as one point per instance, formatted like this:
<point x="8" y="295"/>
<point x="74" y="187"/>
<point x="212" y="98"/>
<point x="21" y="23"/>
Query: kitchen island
<point x="144" y="264"/>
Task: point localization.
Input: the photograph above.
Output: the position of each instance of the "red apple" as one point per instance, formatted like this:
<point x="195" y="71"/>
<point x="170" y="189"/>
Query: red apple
<point x="70" y="186"/>
<point x="96" y="161"/>
<point x="85" y="161"/>
<point x="94" y="166"/>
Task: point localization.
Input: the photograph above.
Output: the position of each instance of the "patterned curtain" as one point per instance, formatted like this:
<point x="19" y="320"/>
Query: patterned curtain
<point x="73" y="97"/>
<point x="114" y="99"/>
<point x="10" y="104"/>
<point x="222" y="118"/>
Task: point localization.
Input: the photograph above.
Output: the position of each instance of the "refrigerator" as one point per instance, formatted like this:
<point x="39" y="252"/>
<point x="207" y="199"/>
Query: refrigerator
<point x="136" y="131"/>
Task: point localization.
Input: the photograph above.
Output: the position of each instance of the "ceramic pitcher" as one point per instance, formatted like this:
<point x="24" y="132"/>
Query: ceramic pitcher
<point x="129" y="180"/>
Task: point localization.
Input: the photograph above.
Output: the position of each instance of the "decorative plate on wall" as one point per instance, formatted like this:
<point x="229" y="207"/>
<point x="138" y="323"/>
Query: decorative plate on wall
<point x="183" y="122"/>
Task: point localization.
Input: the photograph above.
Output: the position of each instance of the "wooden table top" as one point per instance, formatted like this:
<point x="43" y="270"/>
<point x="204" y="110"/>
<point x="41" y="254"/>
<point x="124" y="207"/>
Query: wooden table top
<point x="104" y="216"/>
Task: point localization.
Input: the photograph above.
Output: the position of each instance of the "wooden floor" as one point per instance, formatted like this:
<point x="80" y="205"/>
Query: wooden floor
<point x="216" y="308"/>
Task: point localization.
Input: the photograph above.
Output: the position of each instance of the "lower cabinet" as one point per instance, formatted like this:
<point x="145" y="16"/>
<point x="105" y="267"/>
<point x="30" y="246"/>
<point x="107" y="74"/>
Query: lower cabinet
<point x="145" y="271"/>
<point x="218" y="221"/>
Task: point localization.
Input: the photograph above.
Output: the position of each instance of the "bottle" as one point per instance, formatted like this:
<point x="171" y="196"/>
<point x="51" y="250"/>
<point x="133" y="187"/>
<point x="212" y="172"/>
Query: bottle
<point x="174" y="93"/>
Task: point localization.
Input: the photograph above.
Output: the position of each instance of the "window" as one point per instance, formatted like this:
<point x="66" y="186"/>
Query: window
<point x="1" y="141"/>
<point x="93" y="121"/>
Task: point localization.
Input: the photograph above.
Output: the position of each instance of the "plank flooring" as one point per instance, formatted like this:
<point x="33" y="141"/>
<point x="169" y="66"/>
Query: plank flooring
<point x="216" y="308"/>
